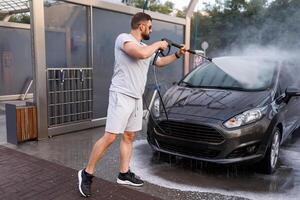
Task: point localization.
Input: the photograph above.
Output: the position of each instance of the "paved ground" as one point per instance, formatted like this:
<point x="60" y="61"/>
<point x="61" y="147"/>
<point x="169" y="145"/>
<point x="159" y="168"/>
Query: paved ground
<point x="72" y="150"/>
<point x="25" y="177"/>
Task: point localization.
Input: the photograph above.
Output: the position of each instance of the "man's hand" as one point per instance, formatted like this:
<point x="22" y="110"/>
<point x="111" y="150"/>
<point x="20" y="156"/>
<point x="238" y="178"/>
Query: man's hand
<point x="182" y="50"/>
<point x="163" y="45"/>
<point x="163" y="61"/>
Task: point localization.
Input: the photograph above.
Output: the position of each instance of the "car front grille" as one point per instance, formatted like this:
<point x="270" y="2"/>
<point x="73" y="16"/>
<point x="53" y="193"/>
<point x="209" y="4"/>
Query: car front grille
<point x="189" y="131"/>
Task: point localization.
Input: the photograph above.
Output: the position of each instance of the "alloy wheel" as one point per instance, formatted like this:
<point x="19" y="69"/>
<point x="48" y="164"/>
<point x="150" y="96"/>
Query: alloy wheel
<point x="275" y="149"/>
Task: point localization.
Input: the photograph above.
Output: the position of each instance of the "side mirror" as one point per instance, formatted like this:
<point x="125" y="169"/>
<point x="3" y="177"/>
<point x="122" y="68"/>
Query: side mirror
<point x="291" y="92"/>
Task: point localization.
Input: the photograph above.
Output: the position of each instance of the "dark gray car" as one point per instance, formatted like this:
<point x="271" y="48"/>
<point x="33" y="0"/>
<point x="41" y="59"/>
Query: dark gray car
<point x="230" y="110"/>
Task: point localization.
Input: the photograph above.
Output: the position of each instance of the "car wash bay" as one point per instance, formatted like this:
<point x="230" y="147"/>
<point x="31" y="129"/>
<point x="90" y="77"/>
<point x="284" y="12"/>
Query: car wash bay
<point x="79" y="47"/>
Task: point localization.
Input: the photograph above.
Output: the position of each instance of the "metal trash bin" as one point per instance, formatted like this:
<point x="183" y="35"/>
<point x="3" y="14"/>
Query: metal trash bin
<point x="21" y="123"/>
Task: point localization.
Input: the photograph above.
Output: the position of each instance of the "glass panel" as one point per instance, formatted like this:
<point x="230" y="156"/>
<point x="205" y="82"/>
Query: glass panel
<point x="15" y="60"/>
<point x="107" y="26"/>
<point x="104" y="40"/>
<point x="173" y="73"/>
<point x="66" y="34"/>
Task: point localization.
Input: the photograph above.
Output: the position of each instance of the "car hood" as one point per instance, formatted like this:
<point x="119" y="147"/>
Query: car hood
<point x="212" y="103"/>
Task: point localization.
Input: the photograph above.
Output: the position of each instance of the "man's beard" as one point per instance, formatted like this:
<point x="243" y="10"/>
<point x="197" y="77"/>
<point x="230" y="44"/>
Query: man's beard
<point x="145" y="36"/>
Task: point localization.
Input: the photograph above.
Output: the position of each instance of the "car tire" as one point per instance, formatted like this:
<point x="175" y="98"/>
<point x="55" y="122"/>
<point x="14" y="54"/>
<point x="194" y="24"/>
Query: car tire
<point x="270" y="161"/>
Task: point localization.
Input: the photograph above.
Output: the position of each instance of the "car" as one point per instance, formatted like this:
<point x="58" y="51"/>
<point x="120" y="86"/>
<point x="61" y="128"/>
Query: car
<point x="230" y="110"/>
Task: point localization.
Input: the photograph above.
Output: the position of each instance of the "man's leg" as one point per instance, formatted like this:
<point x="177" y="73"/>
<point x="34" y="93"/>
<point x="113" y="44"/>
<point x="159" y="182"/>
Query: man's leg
<point x="85" y="175"/>
<point x="126" y="177"/>
<point x="126" y="150"/>
<point x="99" y="150"/>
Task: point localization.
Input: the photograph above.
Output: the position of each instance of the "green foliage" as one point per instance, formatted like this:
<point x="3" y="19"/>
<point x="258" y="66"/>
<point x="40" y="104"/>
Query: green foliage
<point x="181" y="13"/>
<point x="20" y="18"/>
<point x="237" y="23"/>
<point x="155" y="6"/>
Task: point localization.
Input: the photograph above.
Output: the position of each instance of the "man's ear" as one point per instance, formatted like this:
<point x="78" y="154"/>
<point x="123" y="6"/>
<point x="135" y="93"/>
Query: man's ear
<point x="141" y="27"/>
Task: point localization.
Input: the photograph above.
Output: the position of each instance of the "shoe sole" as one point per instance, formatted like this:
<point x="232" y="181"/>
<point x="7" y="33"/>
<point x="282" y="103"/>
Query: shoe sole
<point x="79" y="183"/>
<point x="119" y="181"/>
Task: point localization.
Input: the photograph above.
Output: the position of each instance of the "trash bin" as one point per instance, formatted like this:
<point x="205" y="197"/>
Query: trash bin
<point x="21" y="123"/>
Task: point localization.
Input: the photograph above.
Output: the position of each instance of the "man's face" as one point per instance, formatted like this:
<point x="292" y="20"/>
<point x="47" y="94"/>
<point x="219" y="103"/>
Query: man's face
<point x="146" y="29"/>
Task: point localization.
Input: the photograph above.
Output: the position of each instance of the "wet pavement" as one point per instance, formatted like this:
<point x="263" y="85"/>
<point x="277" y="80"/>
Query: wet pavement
<point x="29" y="178"/>
<point x="176" y="178"/>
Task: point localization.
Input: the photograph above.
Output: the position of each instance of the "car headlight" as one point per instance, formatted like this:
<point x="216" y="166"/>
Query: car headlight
<point x="246" y="117"/>
<point x="156" y="107"/>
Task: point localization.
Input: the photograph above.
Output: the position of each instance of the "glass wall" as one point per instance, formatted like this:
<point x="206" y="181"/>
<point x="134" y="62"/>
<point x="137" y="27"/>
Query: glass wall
<point x="15" y="60"/>
<point x="66" y="34"/>
<point x="170" y="74"/>
<point x="107" y="25"/>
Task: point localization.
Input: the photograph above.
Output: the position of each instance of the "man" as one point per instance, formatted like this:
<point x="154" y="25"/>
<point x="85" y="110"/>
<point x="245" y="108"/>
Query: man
<point x="125" y="109"/>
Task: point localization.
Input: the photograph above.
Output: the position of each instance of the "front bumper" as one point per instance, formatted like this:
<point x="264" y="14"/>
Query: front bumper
<point x="247" y="143"/>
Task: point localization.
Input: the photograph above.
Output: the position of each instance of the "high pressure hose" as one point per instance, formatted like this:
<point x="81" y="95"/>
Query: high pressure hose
<point x="162" y="53"/>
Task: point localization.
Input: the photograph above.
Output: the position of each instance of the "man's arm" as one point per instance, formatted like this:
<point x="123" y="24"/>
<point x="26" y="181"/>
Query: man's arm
<point x="143" y="52"/>
<point x="164" y="61"/>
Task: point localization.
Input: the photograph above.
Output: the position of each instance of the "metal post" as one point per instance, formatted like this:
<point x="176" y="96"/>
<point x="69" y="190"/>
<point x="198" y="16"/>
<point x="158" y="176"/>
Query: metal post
<point x="151" y="104"/>
<point x="27" y="90"/>
<point x="91" y="37"/>
<point x="189" y="14"/>
<point x="39" y="66"/>
<point x="187" y="43"/>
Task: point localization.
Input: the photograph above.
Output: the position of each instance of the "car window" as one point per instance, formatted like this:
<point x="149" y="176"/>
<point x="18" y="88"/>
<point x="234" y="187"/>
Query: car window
<point x="242" y="75"/>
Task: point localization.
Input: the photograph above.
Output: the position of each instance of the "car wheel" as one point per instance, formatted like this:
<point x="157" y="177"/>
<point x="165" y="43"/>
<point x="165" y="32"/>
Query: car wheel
<point x="269" y="162"/>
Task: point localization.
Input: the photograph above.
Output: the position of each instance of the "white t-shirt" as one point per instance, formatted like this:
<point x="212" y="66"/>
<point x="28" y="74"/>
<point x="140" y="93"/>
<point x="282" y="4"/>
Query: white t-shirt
<point x="130" y="74"/>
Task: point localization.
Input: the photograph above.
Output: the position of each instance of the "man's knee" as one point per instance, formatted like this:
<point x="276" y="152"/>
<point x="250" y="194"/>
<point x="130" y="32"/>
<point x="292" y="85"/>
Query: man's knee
<point x="128" y="136"/>
<point x="110" y="137"/>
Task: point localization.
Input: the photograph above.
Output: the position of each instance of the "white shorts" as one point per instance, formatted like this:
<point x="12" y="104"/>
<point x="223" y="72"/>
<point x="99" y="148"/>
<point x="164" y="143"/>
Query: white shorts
<point x="124" y="113"/>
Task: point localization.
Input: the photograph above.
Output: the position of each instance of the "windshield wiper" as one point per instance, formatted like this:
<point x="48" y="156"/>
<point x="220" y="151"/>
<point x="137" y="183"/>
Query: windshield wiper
<point x="187" y="84"/>
<point x="226" y="88"/>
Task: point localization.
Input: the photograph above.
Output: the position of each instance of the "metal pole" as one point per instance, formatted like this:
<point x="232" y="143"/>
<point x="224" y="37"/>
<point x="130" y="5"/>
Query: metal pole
<point x="151" y="104"/>
<point x="188" y="17"/>
<point x="39" y="66"/>
<point x="27" y="90"/>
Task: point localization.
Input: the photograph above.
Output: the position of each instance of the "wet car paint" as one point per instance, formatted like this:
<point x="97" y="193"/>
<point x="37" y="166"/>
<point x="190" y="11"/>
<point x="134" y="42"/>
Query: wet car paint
<point x="212" y="108"/>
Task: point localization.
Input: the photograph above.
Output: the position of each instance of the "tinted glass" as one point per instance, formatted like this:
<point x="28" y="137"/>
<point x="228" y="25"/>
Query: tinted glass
<point x="107" y="25"/>
<point x="66" y="34"/>
<point x="15" y="60"/>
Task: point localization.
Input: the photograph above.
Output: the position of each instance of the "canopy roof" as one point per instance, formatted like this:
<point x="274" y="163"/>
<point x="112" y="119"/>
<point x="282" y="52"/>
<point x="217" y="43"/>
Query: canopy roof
<point x="14" y="6"/>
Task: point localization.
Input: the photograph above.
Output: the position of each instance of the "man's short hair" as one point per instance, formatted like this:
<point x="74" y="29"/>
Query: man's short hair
<point x="138" y="18"/>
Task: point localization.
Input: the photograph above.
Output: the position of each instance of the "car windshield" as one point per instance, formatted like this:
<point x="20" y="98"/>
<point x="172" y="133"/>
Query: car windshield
<point x="232" y="73"/>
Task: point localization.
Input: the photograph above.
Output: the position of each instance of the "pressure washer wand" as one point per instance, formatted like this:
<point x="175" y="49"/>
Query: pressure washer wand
<point x="171" y="43"/>
<point x="199" y="54"/>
